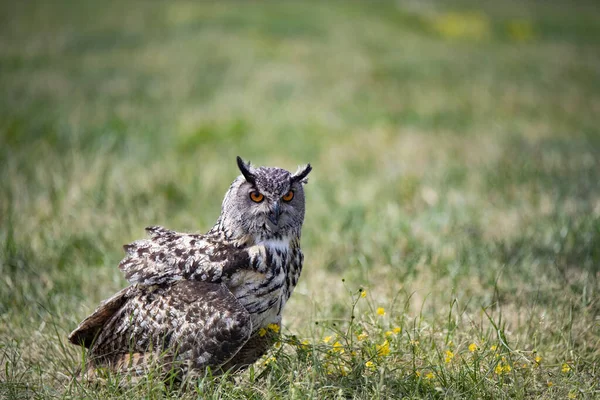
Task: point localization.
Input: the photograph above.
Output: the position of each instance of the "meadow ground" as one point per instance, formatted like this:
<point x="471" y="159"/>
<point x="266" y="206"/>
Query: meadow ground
<point x="452" y="236"/>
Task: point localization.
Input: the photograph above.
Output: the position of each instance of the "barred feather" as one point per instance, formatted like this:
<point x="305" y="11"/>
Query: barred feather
<point x="169" y="256"/>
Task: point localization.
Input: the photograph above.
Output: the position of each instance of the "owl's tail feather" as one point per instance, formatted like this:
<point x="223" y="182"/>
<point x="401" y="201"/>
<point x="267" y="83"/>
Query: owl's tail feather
<point x="89" y="328"/>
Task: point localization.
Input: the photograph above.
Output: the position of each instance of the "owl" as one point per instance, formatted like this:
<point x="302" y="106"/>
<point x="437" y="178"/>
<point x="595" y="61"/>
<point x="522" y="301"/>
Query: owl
<point x="205" y="300"/>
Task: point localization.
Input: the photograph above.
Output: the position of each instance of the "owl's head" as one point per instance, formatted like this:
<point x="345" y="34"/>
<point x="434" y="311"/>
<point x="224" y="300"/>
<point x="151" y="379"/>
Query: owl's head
<point x="264" y="202"/>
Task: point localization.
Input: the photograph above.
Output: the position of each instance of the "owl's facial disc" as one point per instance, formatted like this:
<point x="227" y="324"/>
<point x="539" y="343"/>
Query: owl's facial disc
<point x="265" y="201"/>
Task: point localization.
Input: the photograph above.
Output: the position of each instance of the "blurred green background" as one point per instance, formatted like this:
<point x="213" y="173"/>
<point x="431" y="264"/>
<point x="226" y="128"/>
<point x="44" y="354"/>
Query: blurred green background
<point x="455" y="146"/>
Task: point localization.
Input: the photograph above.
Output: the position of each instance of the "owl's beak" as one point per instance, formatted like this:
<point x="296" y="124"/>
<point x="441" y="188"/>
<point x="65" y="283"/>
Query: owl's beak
<point x="274" y="214"/>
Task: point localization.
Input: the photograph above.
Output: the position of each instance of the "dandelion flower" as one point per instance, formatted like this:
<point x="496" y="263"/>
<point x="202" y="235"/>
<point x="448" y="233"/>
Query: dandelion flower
<point x="370" y="364"/>
<point x="429" y="375"/>
<point x="383" y="349"/>
<point x="498" y="369"/>
<point x="449" y="356"/>
<point x="262" y="332"/>
<point x="397" y="330"/>
<point x="565" y="368"/>
<point x="326" y="339"/>
<point x="381" y="311"/>
<point x="472" y="347"/>
<point x="389" y="333"/>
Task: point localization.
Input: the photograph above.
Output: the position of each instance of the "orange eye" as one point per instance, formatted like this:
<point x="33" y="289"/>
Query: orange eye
<point x="256" y="197"/>
<point x="288" y="196"/>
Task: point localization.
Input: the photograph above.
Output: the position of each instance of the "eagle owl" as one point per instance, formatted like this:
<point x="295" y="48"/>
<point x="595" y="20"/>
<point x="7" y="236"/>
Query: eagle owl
<point x="198" y="301"/>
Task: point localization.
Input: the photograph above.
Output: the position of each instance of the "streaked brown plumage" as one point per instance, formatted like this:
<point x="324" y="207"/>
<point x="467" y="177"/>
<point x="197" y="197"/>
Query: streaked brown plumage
<point x="198" y="301"/>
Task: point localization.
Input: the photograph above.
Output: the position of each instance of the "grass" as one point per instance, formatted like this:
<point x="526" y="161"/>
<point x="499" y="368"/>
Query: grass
<point x="456" y="153"/>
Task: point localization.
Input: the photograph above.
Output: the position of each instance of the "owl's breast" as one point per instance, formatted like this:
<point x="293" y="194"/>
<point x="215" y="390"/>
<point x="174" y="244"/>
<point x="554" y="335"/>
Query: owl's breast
<point x="264" y="294"/>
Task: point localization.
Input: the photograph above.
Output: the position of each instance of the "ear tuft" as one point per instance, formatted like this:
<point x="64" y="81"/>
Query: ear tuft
<point x="300" y="175"/>
<point x="245" y="169"/>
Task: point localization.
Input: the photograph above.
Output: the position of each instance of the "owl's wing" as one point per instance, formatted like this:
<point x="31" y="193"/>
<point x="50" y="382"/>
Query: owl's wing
<point x="89" y="328"/>
<point x="169" y="256"/>
<point x="197" y="324"/>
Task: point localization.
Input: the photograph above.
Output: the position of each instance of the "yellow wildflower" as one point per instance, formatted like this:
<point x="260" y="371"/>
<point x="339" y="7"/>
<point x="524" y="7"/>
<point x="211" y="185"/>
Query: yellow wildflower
<point x="429" y="375"/>
<point x="565" y="368"/>
<point x="449" y="356"/>
<point x="363" y="294"/>
<point x="474" y="26"/>
<point x="572" y="395"/>
<point x="538" y="360"/>
<point x="326" y="339"/>
<point x="502" y="367"/>
<point x="362" y="336"/>
<point x="520" y="31"/>
<point x="273" y="327"/>
<point x="549" y="383"/>
<point x="269" y="360"/>
<point x="394" y="331"/>
<point x="417" y="373"/>
<point x="493" y="347"/>
<point x="304" y="344"/>
<point x="381" y="311"/>
<point x="338" y="347"/>
<point x="472" y="347"/>
<point x="370" y="364"/>
<point x="383" y="349"/>
<point x="262" y="332"/>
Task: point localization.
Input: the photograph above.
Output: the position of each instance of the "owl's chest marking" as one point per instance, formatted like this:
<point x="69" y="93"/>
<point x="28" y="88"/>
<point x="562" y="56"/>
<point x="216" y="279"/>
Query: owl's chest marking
<point x="277" y="245"/>
<point x="265" y="291"/>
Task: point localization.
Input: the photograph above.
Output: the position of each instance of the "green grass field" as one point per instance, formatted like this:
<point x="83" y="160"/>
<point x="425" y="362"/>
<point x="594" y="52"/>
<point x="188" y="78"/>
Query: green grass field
<point x="452" y="236"/>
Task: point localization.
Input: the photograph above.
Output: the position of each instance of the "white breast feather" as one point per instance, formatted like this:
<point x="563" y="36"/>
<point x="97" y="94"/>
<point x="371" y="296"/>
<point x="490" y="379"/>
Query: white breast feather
<point x="277" y="244"/>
